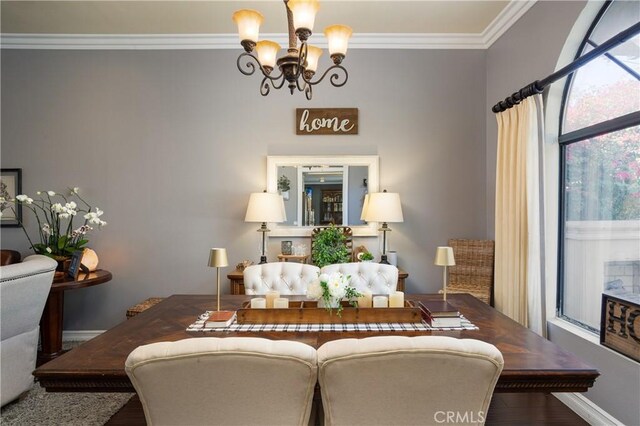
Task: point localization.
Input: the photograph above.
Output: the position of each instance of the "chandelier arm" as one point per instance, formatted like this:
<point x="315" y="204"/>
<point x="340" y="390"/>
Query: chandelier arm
<point x="248" y="64"/>
<point x="308" y="91"/>
<point x="264" y="86"/>
<point x="302" y="59"/>
<point x="334" y="79"/>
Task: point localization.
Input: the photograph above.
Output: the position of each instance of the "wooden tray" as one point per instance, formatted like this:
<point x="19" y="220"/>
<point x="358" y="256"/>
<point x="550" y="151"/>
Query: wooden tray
<point x="307" y="312"/>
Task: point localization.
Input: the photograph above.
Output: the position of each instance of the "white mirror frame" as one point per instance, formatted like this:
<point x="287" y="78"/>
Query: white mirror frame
<point x="373" y="185"/>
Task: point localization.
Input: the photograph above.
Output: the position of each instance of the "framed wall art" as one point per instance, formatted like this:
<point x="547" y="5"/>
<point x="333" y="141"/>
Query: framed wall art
<point x="10" y="186"/>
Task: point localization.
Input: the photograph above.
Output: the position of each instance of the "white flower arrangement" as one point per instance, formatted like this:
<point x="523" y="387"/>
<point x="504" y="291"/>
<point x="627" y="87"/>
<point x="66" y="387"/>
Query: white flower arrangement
<point x="58" y="238"/>
<point x="333" y="288"/>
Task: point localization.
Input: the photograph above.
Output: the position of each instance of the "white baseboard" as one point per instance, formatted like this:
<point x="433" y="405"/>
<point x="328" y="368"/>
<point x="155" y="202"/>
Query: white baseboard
<point x="80" y="335"/>
<point x="587" y="409"/>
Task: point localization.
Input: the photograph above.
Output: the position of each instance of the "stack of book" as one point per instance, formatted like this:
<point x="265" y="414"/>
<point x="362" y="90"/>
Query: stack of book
<point x="439" y="313"/>
<point x="220" y="319"/>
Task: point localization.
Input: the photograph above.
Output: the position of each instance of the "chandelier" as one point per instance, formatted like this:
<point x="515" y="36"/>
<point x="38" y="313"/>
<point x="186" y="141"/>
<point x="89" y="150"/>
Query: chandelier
<point x="298" y="66"/>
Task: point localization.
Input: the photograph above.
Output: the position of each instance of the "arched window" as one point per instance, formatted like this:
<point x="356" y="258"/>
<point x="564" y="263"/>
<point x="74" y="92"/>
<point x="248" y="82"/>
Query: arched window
<point x="600" y="172"/>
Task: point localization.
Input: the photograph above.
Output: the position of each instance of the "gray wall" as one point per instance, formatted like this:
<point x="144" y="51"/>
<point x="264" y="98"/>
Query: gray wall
<point x="170" y="144"/>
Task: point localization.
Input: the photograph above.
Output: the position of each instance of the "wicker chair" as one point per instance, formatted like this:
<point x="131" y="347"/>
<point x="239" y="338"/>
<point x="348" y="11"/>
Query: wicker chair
<point x="473" y="272"/>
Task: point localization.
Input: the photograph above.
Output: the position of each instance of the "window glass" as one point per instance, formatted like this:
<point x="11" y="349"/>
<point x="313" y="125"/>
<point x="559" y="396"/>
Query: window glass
<point x="602" y="222"/>
<point x="602" y="90"/>
<point x="600" y="188"/>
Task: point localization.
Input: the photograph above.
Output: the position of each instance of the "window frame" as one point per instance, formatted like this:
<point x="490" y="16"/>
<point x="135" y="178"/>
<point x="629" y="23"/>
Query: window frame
<point x="566" y="139"/>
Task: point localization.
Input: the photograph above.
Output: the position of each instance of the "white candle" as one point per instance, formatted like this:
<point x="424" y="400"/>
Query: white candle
<point x="271" y="296"/>
<point x="396" y="300"/>
<point x="365" y="300"/>
<point x="280" y="303"/>
<point x="380" y="301"/>
<point x="258" y="303"/>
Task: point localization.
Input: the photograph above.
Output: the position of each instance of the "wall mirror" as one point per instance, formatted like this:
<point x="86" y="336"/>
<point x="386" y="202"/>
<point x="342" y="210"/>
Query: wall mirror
<point x="318" y="191"/>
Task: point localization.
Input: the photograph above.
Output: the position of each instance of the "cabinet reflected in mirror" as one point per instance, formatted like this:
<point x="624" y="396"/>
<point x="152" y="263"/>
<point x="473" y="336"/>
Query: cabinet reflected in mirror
<point x="319" y="191"/>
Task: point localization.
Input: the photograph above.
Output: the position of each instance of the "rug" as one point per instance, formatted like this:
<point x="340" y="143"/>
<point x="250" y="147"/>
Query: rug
<point x="60" y="408"/>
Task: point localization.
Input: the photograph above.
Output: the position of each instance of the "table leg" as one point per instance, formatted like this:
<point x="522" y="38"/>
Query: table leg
<point x="51" y="328"/>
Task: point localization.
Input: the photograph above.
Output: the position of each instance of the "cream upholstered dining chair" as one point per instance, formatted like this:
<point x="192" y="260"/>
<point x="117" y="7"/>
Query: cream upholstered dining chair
<point x="230" y="381"/>
<point x="286" y="277"/>
<point x="378" y="278"/>
<point x="407" y="380"/>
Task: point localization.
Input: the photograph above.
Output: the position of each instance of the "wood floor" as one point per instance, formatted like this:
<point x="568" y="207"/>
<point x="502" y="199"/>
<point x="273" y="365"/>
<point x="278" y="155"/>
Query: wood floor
<point x="506" y="409"/>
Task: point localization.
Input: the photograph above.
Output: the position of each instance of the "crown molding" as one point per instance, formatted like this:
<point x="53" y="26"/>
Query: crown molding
<point x="507" y="17"/>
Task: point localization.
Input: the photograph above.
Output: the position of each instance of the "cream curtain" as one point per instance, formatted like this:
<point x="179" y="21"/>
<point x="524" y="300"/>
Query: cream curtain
<point x="519" y="259"/>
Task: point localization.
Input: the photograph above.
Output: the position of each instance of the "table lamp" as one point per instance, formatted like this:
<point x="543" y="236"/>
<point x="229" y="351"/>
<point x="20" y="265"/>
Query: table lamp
<point x="265" y="207"/>
<point x="444" y="257"/>
<point x="383" y="207"/>
<point x="218" y="259"/>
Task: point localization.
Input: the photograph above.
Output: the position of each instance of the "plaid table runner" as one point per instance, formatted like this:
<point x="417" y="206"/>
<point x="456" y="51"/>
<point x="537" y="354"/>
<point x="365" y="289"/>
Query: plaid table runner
<point x="199" y="325"/>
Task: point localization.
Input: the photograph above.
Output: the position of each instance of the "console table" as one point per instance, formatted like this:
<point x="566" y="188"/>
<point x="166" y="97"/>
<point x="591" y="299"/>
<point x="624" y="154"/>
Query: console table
<point x="51" y="320"/>
<point x="236" y="280"/>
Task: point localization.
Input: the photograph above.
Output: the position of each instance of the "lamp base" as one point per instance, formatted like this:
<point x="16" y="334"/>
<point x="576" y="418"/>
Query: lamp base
<point x="383" y="259"/>
<point x="263" y="259"/>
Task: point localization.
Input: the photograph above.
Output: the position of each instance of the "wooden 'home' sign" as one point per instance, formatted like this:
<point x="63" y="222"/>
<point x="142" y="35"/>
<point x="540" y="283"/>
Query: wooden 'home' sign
<point x="326" y="121"/>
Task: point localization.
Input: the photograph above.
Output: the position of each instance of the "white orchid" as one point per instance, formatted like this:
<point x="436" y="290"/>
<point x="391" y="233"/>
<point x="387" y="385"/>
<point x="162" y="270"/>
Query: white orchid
<point x="94" y="217"/>
<point x="24" y="199"/>
<point x="56" y="235"/>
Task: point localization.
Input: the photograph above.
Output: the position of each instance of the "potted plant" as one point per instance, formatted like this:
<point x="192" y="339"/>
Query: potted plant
<point x="284" y="185"/>
<point x="365" y="256"/>
<point x="55" y="214"/>
<point x="329" y="247"/>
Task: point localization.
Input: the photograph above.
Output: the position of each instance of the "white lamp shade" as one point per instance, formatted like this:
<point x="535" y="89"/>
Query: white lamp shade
<point x="267" y="52"/>
<point x="365" y="204"/>
<point x="304" y="13"/>
<point x="383" y="207"/>
<point x="313" y="55"/>
<point x="218" y="257"/>
<point x="338" y="38"/>
<point x="248" y="22"/>
<point x="265" y="207"/>
<point x="444" y="257"/>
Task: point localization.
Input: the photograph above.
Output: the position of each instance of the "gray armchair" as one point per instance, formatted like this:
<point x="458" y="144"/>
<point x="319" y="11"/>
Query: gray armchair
<point x="24" y="288"/>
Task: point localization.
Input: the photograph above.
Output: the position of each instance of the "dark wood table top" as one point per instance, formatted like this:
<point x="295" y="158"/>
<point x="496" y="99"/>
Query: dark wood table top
<point x="532" y="363"/>
<point x="84" y="280"/>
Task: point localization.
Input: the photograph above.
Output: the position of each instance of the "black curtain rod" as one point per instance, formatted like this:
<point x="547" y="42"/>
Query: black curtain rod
<point x="539" y="85"/>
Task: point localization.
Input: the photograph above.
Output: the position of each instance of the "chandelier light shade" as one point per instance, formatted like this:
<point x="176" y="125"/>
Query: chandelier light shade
<point x="304" y="13"/>
<point x="267" y="53"/>
<point x="338" y="37"/>
<point x="298" y="66"/>
<point x="248" y="22"/>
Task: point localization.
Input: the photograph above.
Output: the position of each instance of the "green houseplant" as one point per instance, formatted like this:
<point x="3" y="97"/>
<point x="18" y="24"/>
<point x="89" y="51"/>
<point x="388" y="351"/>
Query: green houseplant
<point x="329" y="247"/>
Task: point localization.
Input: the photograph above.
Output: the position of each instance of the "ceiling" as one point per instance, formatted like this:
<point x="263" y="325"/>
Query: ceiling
<point x="214" y="16"/>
